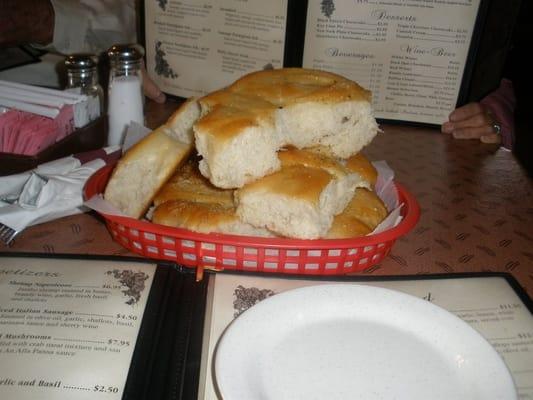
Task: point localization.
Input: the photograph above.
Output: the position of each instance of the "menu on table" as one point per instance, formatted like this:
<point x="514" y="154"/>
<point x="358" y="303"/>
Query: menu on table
<point x="195" y="47"/>
<point x="94" y="328"/>
<point x="488" y="304"/>
<point x="68" y="328"/>
<point x="410" y="54"/>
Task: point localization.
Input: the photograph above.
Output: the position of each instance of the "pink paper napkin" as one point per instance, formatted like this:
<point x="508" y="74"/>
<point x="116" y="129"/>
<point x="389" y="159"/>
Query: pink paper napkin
<point x="28" y="134"/>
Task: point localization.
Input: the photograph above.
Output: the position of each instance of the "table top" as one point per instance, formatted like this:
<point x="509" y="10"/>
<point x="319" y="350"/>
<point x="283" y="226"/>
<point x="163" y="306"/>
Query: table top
<point x="475" y="199"/>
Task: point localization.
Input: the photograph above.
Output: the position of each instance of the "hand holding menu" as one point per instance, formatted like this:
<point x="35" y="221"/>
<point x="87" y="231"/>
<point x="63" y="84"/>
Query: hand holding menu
<point x="415" y="56"/>
<point x="410" y="54"/>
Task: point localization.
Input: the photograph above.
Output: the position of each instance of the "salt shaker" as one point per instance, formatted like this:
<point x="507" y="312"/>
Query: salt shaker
<point x="82" y="78"/>
<point x="125" y="95"/>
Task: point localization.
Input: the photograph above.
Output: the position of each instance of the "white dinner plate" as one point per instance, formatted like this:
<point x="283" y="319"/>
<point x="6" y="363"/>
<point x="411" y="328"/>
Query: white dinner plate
<point x="345" y="341"/>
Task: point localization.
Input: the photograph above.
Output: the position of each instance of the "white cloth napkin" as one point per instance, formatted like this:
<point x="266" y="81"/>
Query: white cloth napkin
<point x="50" y="191"/>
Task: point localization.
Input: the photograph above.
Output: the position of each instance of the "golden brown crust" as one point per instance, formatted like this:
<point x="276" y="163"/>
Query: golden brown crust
<point x="293" y="181"/>
<point x="360" y="217"/>
<point x="293" y="156"/>
<point x="230" y="113"/>
<point x="346" y="226"/>
<point x="188" y="184"/>
<point x="288" y="86"/>
<point x="301" y="199"/>
<point x="156" y="155"/>
<point x="369" y="208"/>
<point x="192" y="215"/>
<point x="190" y="201"/>
<point x="360" y="164"/>
<point x="257" y="96"/>
<point x="147" y="165"/>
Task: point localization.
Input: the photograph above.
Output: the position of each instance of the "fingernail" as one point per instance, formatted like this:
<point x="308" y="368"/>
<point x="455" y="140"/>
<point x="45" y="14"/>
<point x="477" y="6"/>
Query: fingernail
<point x="492" y="138"/>
<point x="446" y="128"/>
<point x="161" y="98"/>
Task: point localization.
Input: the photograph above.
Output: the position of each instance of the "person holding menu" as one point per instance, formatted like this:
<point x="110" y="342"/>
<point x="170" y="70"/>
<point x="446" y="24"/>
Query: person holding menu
<point x="503" y="115"/>
<point x="59" y="27"/>
<point x="490" y="120"/>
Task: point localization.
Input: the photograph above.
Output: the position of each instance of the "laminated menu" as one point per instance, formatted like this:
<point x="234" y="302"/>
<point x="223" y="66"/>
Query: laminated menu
<point x="88" y="328"/>
<point x="412" y="55"/>
<point x="68" y="328"/>
<point x="487" y="303"/>
<point x="416" y="57"/>
<point x="196" y="47"/>
<point x="121" y="328"/>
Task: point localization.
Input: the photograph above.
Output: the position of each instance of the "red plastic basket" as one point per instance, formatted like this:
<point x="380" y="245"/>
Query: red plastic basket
<point x="245" y="253"/>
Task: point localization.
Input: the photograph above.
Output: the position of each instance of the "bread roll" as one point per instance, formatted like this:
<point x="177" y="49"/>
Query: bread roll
<point x="188" y="200"/>
<point x="299" y="200"/>
<point x="236" y="139"/>
<point x="243" y="126"/>
<point x="360" y="217"/>
<point x="189" y="185"/>
<point x="204" y="218"/>
<point x="359" y="163"/>
<point x="146" y="166"/>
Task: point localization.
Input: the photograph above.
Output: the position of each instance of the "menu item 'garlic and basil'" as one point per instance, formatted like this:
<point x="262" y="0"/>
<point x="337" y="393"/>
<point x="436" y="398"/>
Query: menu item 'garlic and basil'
<point x="279" y="154"/>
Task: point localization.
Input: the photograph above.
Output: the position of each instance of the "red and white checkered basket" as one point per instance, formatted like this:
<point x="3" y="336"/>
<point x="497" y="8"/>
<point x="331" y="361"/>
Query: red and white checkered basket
<point x="246" y="253"/>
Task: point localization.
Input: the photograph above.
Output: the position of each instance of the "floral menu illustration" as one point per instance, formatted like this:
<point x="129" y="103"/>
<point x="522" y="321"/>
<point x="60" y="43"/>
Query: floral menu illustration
<point x="488" y="304"/>
<point x="68" y="328"/>
<point x="414" y="56"/>
<point x="411" y="54"/>
<point x="194" y="47"/>
<point x="77" y="328"/>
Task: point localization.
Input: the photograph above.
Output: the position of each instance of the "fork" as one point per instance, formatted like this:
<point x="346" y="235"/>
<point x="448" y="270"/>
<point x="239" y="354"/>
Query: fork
<point x="7" y="234"/>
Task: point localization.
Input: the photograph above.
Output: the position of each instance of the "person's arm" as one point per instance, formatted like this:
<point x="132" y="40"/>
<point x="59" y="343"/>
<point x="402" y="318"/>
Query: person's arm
<point x="491" y="120"/>
<point x="26" y="21"/>
<point x="67" y="26"/>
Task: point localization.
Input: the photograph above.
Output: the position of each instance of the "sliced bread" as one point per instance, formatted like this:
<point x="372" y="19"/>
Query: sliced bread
<point x="244" y="125"/>
<point x="301" y="199"/>
<point x="147" y="165"/>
